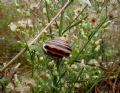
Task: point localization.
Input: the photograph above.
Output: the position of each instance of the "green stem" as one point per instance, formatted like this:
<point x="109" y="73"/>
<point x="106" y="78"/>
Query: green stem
<point x="96" y="82"/>
<point x="54" y="84"/>
<point x="56" y="78"/>
<point x="61" y="20"/>
<point x="48" y="17"/>
<point x="90" y="37"/>
<point x="32" y="58"/>
<point x="73" y="23"/>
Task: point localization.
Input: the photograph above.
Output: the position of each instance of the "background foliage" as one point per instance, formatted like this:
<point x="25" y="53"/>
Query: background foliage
<point x="92" y="30"/>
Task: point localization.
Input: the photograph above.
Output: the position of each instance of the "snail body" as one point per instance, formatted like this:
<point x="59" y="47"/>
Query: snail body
<point x="57" y="48"/>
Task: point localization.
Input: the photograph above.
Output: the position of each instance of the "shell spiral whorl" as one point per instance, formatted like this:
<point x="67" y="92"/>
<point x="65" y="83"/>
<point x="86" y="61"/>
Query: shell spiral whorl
<point x="57" y="48"/>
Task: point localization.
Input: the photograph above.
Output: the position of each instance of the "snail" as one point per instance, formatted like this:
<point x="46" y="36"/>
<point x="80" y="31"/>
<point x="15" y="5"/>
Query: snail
<point x="57" y="48"/>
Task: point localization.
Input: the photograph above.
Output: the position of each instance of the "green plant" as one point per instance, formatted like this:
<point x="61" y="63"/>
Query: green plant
<point x="83" y="24"/>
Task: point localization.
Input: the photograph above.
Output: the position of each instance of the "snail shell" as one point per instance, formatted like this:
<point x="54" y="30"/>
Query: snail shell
<point x="57" y="48"/>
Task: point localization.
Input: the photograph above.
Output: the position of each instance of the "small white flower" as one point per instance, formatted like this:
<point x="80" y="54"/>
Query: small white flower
<point x="87" y="76"/>
<point x="2" y="38"/>
<point x="77" y="85"/>
<point x="82" y="64"/>
<point x="97" y="48"/>
<point x="70" y="55"/>
<point x="44" y="10"/>
<point x="98" y="41"/>
<point x="87" y="2"/>
<point x="51" y="64"/>
<point x="18" y="10"/>
<point x="95" y="76"/>
<point x="29" y="22"/>
<point x="12" y="26"/>
<point x="74" y="66"/>
<point x="34" y="5"/>
<point x="100" y="57"/>
<point x="41" y="58"/>
<point x="65" y="62"/>
<point x="94" y="62"/>
<point x="47" y="75"/>
<point x="17" y="4"/>
<point x="24" y="23"/>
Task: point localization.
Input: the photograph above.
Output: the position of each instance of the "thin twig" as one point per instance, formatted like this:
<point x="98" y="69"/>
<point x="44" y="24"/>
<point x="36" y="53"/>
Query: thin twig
<point x="36" y="38"/>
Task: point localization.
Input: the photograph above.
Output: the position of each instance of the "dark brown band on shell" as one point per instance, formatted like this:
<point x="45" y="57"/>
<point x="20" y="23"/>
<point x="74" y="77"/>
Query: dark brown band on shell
<point x="56" y="51"/>
<point x="57" y="48"/>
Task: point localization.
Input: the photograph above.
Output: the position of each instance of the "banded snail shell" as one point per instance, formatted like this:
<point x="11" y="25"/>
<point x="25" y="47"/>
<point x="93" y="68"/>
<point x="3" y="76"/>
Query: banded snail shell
<point x="57" y="48"/>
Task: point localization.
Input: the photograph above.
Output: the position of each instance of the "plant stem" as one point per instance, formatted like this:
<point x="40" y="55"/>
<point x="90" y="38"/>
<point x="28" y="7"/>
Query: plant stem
<point x="56" y="78"/>
<point x="61" y="20"/>
<point x="54" y="84"/>
<point x="73" y="23"/>
<point x="91" y="36"/>
<point x="48" y="17"/>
